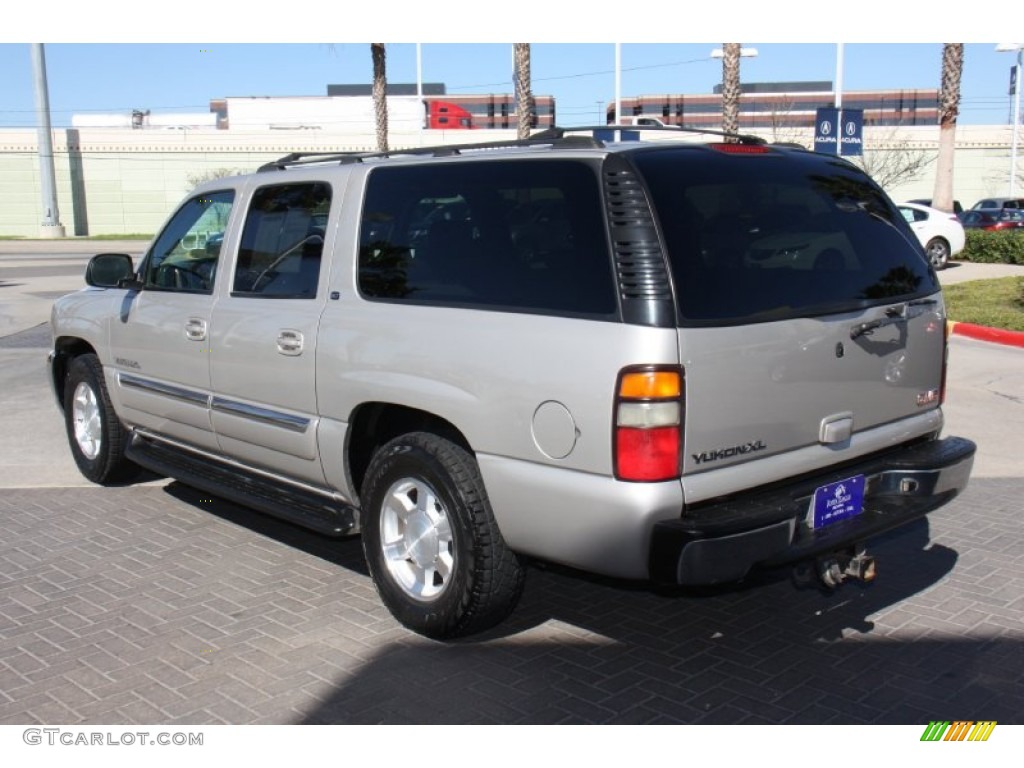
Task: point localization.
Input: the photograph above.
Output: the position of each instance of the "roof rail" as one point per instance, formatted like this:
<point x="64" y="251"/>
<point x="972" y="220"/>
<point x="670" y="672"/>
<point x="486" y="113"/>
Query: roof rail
<point x="441" y="150"/>
<point x="558" y="132"/>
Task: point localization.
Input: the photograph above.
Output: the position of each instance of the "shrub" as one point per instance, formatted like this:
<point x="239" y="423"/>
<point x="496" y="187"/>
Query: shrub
<point x="986" y="247"/>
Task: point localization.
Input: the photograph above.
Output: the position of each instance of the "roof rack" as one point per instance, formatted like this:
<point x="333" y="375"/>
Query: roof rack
<point x="441" y="150"/>
<point x="555" y="136"/>
<point x="558" y="132"/>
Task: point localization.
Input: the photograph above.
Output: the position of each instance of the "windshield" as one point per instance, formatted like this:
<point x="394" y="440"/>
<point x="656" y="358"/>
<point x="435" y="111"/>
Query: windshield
<point x="766" y="237"/>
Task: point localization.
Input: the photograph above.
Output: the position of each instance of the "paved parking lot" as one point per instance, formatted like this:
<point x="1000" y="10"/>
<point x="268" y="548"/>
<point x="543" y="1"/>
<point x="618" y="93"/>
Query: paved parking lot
<point x="156" y="604"/>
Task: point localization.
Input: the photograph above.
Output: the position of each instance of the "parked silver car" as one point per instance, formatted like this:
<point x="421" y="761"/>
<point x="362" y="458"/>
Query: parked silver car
<point x="668" y="361"/>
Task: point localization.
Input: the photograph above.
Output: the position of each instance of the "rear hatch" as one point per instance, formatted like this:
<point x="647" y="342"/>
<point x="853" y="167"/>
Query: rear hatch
<point x="806" y="310"/>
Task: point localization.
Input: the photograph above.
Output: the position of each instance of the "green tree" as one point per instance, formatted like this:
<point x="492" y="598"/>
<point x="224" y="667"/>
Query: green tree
<point x="949" y="108"/>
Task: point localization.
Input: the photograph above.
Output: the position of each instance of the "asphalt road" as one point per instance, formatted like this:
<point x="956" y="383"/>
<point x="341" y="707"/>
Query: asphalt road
<point x="153" y="603"/>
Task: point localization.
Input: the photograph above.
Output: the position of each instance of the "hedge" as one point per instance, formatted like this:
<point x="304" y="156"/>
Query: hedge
<point x="1005" y="247"/>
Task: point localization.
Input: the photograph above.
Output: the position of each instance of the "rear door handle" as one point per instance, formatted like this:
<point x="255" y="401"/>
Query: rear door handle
<point x="290" y="342"/>
<point x="195" y="329"/>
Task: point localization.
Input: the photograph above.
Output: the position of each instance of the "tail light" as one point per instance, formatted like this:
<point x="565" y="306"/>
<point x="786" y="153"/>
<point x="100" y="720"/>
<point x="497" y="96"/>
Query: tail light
<point x="945" y="362"/>
<point x="648" y="432"/>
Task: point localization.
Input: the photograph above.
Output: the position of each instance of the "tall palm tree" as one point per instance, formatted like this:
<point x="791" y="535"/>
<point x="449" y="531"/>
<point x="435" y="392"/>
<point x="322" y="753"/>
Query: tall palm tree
<point x="949" y="108"/>
<point x="380" y="94"/>
<point x="524" y="96"/>
<point x="731" y="87"/>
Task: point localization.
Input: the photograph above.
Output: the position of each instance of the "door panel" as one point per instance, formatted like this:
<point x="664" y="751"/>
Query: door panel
<point x="161" y="338"/>
<point x="263" y="364"/>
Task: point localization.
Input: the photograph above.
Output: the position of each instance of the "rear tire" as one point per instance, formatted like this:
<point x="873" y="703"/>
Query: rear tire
<point x="938" y="252"/>
<point x="432" y="545"/>
<point x="95" y="434"/>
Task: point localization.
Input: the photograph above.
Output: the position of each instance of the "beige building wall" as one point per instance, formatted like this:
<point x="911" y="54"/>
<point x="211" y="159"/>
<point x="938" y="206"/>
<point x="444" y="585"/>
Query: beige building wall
<point x="123" y="181"/>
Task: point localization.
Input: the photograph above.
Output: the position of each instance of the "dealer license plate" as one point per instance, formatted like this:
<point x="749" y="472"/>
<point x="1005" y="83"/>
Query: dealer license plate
<point x="837" y="501"/>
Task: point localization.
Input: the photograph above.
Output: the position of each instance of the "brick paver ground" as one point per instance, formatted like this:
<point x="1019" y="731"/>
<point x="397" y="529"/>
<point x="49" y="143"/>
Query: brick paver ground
<point x="152" y="605"/>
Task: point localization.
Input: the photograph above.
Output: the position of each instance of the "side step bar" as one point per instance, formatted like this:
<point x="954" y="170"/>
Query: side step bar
<point x="317" y="512"/>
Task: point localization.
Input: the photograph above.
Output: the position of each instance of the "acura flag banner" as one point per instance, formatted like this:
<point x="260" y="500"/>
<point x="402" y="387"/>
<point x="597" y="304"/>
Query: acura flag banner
<point x="844" y="128"/>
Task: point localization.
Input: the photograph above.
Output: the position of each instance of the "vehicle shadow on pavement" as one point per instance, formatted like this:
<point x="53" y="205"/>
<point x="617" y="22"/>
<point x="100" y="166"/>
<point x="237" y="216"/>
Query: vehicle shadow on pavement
<point x="582" y="649"/>
<point x="346" y="552"/>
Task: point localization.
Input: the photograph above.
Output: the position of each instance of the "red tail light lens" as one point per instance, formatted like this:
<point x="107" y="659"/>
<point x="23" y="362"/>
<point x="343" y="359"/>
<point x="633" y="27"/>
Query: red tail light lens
<point x="648" y="425"/>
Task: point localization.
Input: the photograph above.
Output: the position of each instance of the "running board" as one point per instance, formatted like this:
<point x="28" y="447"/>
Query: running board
<point x="316" y="512"/>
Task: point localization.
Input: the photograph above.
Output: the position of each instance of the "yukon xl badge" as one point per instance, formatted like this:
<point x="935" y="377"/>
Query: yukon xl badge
<point x="727" y="453"/>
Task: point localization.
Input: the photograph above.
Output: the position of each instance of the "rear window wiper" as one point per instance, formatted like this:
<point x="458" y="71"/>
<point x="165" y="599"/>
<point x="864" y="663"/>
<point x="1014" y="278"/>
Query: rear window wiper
<point x="897" y="314"/>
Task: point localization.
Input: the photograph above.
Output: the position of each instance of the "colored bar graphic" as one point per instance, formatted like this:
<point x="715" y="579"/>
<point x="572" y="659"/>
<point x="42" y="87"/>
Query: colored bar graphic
<point x="982" y="730"/>
<point x="958" y="730"/>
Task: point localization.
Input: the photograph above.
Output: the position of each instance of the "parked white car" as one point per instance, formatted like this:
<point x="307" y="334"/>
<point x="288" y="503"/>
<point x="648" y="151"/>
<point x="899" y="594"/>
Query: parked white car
<point x="941" y="234"/>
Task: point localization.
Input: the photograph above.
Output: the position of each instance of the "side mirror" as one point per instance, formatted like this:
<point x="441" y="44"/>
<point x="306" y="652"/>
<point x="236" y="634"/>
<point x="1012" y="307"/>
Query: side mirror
<point x="108" y="270"/>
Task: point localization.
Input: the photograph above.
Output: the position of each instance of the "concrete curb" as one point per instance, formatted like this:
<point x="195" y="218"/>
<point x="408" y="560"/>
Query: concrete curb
<point x="984" y="333"/>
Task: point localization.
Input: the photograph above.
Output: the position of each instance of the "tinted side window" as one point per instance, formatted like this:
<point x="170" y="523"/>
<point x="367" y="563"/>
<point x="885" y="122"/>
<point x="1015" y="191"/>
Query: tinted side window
<point x="282" y="241"/>
<point x="912" y="214"/>
<point x="184" y="256"/>
<point x="766" y="237"/>
<point x="526" y="235"/>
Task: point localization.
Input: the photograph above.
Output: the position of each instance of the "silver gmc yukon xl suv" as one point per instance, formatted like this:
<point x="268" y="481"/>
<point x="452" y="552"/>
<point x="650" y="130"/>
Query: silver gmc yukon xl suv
<point x="656" y="360"/>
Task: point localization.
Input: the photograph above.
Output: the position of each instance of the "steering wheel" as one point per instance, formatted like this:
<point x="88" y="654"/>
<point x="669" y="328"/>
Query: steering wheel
<point x="179" y="280"/>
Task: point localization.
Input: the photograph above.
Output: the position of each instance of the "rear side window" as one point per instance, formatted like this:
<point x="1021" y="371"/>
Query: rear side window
<point x="766" y="237"/>
<point x="282" y="241"/>
<point x="525" y="236"/>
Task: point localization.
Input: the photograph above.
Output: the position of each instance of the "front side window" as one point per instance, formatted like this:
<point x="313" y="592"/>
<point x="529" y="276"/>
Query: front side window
<point x="282" y="241"/>
<point x="184" y="256"/>
<point x="524" y="236"/>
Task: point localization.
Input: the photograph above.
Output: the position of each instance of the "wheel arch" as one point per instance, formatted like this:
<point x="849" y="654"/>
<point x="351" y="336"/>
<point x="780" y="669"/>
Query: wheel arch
<point x="375" y="423"/>
<point x="65" y="350"/>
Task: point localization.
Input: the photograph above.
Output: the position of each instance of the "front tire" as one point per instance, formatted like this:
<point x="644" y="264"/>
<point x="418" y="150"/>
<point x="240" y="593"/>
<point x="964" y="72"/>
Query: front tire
<point x="938" y="252"/>
<point x="95" y="434"/>
<point x="432" y="545"/>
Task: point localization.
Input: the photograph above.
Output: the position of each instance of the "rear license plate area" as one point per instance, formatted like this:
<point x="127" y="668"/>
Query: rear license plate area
<point x="837" y="501"/>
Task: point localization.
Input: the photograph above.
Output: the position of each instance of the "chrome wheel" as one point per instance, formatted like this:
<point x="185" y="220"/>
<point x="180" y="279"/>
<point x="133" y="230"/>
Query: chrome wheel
<point x="431" y="542"/>
<point x="87" y="420"/>
<point x="416" y="539"/>
<point x="938" y="253"/>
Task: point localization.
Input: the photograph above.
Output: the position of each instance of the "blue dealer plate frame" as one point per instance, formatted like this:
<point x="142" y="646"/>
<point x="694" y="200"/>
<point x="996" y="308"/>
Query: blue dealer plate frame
<point x="837" y="501"/>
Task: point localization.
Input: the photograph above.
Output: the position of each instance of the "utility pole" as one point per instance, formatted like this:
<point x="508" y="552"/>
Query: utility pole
<point x="50" y="226"/>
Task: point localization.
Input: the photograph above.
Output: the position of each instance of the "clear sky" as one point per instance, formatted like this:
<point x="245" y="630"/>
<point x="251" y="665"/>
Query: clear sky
<point x="120" y="56"/>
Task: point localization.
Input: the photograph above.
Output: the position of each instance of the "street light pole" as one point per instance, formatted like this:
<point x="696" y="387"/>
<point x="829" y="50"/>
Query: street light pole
<point x="839" y="94"/>
<point x="50" y="226"/>
<point x="1015" y="128"/>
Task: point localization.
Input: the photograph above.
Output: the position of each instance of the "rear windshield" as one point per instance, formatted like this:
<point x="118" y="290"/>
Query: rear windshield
<point x="770" y="236"/>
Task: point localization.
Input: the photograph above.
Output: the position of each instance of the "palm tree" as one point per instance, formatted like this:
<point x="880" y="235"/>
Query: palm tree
<point x="731" y="88"/>
<point x="380" y="95"/>
<point x="949" y="108"/>
<point x="524" y="96"/>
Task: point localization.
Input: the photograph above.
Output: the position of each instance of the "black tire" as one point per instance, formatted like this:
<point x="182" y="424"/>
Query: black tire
<point x="938" y="252"/>
<point x="444" y="569"/>
<point x="95" y="434"/>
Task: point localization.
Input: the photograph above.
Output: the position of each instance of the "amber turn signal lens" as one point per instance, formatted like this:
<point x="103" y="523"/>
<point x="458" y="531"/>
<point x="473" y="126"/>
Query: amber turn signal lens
<point x="650" y="384"/>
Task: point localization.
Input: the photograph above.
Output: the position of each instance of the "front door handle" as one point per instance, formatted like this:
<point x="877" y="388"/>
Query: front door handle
<point x="195" y="329"/>
<point x="289" y="342"/>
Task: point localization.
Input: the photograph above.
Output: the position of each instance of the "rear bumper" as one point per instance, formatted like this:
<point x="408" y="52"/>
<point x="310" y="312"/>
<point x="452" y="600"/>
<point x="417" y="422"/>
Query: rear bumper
<point x="721" y="541"/>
